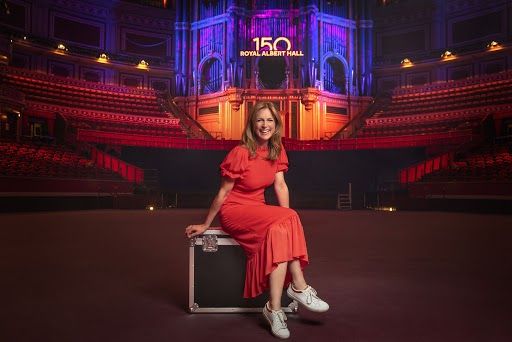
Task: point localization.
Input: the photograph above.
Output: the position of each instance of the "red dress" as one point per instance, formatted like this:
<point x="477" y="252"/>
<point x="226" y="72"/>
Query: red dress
<point x="269" y="234"/>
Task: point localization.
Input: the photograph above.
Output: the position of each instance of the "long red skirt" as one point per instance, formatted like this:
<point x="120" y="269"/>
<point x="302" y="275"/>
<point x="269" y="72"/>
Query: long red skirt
<point x="269" y="235"/>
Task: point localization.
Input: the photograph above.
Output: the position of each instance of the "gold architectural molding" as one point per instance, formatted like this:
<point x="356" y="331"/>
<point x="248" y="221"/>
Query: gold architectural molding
<point x="235" y="98"/>
<point x="309" y="97"/>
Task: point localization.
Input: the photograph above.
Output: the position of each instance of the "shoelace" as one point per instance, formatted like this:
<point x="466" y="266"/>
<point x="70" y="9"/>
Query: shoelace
<point x="310" y="294"/>
<point x="281" y="317"/>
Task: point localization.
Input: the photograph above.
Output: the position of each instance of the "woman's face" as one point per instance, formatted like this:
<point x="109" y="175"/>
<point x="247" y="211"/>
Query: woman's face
<point x="265" y="126"/>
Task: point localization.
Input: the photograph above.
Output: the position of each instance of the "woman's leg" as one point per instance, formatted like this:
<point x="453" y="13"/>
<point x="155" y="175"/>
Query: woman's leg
<point x="299" y="283"/>
<point x="276" y="285"/>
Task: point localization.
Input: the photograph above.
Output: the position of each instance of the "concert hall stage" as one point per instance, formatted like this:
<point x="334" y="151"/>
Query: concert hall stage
<point x="111" y="275"/>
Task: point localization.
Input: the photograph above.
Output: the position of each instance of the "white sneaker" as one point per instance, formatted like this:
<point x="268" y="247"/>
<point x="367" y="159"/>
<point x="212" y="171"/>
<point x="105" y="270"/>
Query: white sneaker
<point x="308" y="298"/>
<point x="276" y="319"/>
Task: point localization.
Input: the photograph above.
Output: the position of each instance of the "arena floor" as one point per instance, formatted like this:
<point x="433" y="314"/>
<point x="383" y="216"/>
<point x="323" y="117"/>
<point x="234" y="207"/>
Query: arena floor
<point x="389" y="276"/>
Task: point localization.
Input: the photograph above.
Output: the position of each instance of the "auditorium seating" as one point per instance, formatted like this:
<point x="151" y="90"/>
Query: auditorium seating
<point x="414" y="128"/>
<point x="452" y="100"/>
<point x="47" y="161"/>
<point x="93" y="106"/>
<point x="67" y="92"/>
<point x="476" y="92"/>
<point x="442" y="107"/>
<point x="110" y="122"/>
<point x="488" y="163"/>
<point x="484" y="81"/>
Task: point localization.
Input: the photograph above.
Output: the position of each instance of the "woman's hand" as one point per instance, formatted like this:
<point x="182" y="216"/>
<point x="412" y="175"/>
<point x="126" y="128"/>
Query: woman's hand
<point x="195" y="229"/>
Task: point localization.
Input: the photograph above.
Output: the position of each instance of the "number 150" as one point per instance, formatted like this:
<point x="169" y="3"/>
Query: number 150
<point x="261" y="42"/>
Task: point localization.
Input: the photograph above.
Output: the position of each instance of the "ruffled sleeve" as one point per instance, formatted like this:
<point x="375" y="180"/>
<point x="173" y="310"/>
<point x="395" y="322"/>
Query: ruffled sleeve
<point x="282" y="161"/>
<point x="235" y="163"/>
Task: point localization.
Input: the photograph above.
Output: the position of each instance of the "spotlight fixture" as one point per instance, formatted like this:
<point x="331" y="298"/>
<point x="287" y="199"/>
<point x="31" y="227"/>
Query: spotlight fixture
<point x="494" y="45"/>
<point x="24" y="37"/>
<point x="103" y="58"/>
<point x="447" y="55"/>
<point x="406" y="63"/>
<point x="62" y="47"/>
<point x="150" y="207"/>
<point x="143" y="65"/>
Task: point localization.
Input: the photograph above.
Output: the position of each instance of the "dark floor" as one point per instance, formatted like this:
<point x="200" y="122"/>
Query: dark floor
<point x="388" y="276"/>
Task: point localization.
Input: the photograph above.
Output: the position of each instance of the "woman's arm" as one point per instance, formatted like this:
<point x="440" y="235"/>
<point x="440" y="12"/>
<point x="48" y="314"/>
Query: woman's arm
<point x="225" y="188"/>
<point x="281" y="190"/>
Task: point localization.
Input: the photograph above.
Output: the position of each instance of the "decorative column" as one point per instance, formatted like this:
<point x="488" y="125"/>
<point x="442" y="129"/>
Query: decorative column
<point x="181" y="67"/>
<point x="231" y="37"/>
<point x="309" y="39"/>
<point x="351" y="51"/>
<point x="369" y="58"/>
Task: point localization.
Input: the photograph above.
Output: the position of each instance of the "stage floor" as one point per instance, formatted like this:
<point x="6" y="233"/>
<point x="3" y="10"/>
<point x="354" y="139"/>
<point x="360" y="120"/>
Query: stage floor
<point x="111" y="275"/>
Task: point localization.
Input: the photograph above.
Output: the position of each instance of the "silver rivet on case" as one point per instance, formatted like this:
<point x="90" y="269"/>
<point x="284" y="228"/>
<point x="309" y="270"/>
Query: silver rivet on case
<point x="210" y="243"/>
<point x="192" y="242"/>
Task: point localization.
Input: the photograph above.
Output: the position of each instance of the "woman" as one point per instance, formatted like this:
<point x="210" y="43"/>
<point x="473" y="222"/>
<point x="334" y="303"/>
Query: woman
<point x="271" y="236"/>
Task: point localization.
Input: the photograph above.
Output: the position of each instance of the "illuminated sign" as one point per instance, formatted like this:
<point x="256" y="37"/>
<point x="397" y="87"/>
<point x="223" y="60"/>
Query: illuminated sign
<point x="273" y="48"/>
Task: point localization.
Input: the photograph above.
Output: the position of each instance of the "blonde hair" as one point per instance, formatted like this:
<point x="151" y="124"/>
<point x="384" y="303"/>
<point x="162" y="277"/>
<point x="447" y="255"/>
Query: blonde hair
<point x="248" y="137"/>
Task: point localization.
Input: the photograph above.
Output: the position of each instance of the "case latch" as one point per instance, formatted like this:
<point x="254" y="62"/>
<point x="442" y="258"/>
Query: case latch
<point x="210" y="243"/>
